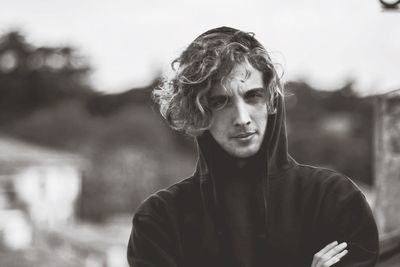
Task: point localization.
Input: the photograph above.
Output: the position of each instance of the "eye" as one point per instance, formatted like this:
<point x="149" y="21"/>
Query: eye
<point x="218" y="102"/>
<point x="255" y="94"/>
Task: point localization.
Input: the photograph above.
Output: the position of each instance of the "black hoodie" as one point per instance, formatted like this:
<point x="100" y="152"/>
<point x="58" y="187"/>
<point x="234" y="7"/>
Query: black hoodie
<point x="274" y="212"/>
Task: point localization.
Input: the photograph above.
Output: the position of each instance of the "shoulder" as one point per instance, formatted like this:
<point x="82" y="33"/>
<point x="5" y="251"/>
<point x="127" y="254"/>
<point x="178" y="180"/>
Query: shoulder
<point x="170" y="199"/>
<point x="333" y="195"/>
<point x="328" y="182"/>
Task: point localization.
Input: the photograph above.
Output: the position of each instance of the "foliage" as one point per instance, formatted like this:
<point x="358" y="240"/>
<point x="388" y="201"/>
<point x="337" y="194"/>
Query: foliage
<point x="34" y="77"/>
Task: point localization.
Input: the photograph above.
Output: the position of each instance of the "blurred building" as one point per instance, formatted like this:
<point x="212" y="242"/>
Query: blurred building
<point x="39" y="188"/>
<point x="387" y="176"/>
<point x="387" y="161"/>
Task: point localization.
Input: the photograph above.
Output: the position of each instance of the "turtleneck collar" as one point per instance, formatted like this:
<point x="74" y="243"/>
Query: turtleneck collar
<point x="222" y="165"/>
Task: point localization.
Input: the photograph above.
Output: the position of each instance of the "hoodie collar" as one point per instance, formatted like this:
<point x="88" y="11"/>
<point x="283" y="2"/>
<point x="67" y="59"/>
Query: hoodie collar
<point x="270" y="161"/>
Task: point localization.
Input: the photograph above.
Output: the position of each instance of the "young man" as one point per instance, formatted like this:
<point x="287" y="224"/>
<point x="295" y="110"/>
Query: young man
<point x="248" y="202"/>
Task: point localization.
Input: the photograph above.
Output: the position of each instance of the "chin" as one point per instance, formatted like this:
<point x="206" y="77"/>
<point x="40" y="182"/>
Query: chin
<point x="244" y="153"/>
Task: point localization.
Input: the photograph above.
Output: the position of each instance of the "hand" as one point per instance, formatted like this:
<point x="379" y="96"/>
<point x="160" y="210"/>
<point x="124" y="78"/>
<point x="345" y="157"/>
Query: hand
<point x="329" y="255"/>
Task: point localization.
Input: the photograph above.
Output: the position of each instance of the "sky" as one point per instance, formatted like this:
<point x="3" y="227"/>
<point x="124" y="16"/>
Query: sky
<point x="129" y="42"/>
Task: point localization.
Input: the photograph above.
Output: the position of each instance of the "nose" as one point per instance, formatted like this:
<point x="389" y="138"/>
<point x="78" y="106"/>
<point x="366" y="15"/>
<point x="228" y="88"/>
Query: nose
<point x="242" y="114"/>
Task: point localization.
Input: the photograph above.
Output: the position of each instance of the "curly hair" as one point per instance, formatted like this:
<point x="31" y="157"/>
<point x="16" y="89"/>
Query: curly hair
<point x="183" y="98"/>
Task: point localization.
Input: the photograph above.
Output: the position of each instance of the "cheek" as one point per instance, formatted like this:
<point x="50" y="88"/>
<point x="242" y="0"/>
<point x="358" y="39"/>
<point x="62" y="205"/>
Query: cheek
<point x="261" y="115"/>
<point x="219" y="121"/>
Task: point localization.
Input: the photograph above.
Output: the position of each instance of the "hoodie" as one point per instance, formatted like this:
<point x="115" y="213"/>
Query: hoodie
<point x="268" y="210"/>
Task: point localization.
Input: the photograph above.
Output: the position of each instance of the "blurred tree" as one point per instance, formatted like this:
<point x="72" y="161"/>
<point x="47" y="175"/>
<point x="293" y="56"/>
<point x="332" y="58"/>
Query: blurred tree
<point x="332" y="129"/>
<point x="32" y="78"/>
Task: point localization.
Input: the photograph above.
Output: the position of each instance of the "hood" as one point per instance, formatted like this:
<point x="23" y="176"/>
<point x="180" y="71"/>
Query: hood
<point x="271" y="160"/>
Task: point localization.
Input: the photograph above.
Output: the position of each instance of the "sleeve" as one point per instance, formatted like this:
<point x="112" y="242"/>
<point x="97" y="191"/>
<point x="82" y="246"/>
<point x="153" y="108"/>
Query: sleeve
<point x="151" y="244"/>
<point x="354" y="223"/>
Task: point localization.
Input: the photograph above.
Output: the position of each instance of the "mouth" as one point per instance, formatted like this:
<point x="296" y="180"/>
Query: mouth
<point x="244" y="135"/>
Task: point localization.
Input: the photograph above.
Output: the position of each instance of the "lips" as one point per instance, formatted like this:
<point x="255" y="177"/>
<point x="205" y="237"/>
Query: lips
<point x="244" y="135"/>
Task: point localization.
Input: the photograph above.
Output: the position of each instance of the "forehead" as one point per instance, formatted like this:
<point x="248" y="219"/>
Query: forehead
<point x="243" y="77"/>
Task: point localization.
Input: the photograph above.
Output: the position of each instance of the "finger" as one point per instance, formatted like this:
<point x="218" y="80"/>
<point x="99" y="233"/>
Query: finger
<point x="342" y="254"/>
<point x="337" y="249"/>
<point x="318" y="257"/>
<point x="330" y="262"/>
<point x="335" y="259"/>
<point x="327" y="248"/>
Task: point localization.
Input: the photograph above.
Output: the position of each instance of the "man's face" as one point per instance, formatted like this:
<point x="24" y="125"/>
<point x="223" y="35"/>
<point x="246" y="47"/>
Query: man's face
<point x="239" y="125"/>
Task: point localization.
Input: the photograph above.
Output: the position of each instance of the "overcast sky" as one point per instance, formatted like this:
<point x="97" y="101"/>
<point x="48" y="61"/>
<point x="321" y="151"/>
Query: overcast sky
<point x="128" y="41"/>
